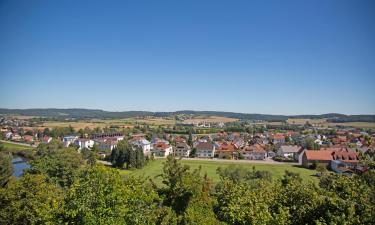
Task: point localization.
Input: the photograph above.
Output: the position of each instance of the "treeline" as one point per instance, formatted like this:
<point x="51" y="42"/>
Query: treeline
<point x="94" y="113"/>
<point x="62" y="188"/>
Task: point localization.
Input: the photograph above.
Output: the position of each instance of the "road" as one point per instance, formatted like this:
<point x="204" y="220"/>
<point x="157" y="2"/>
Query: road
<point x="266" y="161"/>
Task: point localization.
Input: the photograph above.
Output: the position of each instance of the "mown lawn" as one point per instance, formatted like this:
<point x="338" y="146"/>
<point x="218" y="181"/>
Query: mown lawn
<point x="155" y="168"/>
<point x="11" y="146"/>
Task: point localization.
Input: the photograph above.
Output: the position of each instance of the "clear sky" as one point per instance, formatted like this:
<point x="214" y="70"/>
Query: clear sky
<point x="275" y="57"/>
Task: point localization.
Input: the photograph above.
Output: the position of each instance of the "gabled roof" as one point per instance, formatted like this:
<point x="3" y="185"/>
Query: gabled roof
<point x="324" y="155"/>
<point x="254" y="148"/>
<point x="227" y="146"/>
<point x="182" y="145"/>
<point x="290" y="148"/>
<point x="205" y="146"/>
<point x="161" y="146"/>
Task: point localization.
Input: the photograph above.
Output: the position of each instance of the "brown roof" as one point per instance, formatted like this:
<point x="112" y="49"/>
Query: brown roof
<point x="345" y="155"/>
<point x="254" y="148"/>
<point x="319" y="155"/>
<point x="227" y="146"/>
<point x="161" y="145"/>
<point x="205" y="146"/>
<point x="182" y="145"/>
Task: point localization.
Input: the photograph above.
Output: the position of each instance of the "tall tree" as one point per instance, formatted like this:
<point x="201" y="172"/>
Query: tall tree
<point x="6" y="168"/>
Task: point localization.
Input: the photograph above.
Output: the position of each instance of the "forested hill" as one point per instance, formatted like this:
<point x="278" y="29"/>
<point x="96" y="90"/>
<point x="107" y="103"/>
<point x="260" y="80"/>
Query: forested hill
<point x="95" y="113"/>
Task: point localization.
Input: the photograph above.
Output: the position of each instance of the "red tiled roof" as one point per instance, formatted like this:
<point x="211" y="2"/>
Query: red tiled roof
<point x="161" y="145"/>
<point x="227" y="146"/>
<point x="205" y="146"/>
<point x="319" y="155"/>
<point x="254" y="148"/>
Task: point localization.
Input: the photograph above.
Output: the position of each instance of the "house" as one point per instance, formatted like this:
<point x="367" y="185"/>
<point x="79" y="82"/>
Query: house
<point x="162" y="149"/>
<point x="47" y="139"/>
<point x="182" y="149"/>
<point x="28" y="138"/>
<point x="238" y="142"/>
<point x="16" y="137"/>
<point x="107" y="144"/>
<point x="84" y="143"/>
<point x="346" y="156"/>
<point x="144" y="144"/>
<point x="67" y="140"/>
<point x="316" y="156"/>
<point x="8" y="135"/>
<point x="205" y="150"/>
<point x="341" y="167"/>
<point x="254" y="152"/>
<point x="277" y="138"/>
<point x="156" y="140"/>
<point x="226" y="150"/>
<point x="289" y="151"/>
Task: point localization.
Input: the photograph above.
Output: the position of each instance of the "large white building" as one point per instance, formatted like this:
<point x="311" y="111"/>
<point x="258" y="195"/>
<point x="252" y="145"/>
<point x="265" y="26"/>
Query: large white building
<point x="67" y="140"/>
<point x="144" y="144"/>
<point x="84" y="143"/>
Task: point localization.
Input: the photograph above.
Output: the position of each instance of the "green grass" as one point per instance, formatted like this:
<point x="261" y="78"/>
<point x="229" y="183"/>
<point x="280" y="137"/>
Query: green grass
<point x="277" y="170"/>
<point x="11" y="146"/>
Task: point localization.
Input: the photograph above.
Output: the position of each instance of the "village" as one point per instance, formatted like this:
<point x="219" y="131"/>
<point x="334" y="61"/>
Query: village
<point x="338" y="149"/>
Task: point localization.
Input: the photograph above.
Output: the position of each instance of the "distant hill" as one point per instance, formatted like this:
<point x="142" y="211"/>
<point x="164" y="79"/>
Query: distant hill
<point x="101" y="114"/>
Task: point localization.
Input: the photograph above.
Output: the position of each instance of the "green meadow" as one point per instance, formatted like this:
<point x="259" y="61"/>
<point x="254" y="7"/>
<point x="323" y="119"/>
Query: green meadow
<point x="155" y="168"/>
<point x="11" y="146"/>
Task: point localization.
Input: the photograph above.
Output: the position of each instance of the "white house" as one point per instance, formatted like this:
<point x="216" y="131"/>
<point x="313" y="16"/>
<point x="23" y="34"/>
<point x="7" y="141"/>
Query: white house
<point x="289" y="151"/>
<point x="144" y="144"/>
<point x="69" y="140"/>
<point x="8" y="135"/>
<point x="205" y="150"/>
<point x="182" y="149"/>
<point x="107" y="144"/>
<point x="84" y="143"/>
<point x="161" y="149"/>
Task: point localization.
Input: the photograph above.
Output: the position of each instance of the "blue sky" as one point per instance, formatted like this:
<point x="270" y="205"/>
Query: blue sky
<point x="275" y="57"/>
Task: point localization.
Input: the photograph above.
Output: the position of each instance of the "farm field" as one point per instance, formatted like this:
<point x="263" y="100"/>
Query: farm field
<point x="277" y="170"/>
<point x="366" y="125"/>
<point x="210" y="119"/>
<point x="324" y="123"/>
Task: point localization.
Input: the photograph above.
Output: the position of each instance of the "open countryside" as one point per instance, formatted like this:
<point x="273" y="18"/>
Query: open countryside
<point x="187" y="112"/>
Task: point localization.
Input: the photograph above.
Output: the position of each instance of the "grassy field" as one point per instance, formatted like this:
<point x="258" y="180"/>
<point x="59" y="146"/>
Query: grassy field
<point x="324" y="123"/>
<point x="15" y="146"/>
<point x="209" y="167"/>
<point x="366" y="125"/>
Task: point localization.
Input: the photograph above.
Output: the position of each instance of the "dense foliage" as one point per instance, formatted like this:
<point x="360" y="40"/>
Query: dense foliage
<point x="61" y="188"/>
<point x="125" y="154"/>
<point x="6" y="168"/>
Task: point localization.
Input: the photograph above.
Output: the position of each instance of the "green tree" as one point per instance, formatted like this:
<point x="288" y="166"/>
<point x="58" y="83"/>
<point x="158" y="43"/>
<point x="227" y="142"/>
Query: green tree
<point x="30" y="200"/>
<point x="101" y="196"/>
<point x="61" y="166"/>
<point x="321" y="168"/>
<point x="6" y="168"/>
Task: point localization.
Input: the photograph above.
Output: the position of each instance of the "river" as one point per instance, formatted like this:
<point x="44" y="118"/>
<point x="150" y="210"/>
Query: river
<point x="19" y="164"/>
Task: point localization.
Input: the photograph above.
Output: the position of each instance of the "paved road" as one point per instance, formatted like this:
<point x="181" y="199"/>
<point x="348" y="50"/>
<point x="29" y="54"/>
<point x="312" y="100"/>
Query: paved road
<point x="266" y="161"/>
<point x="18" y="143"/>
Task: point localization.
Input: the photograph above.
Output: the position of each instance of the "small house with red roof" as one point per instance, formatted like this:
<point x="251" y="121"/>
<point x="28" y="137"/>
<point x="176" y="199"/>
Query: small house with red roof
<point x="162" y="149"/>
<point x="254" y="152"/>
